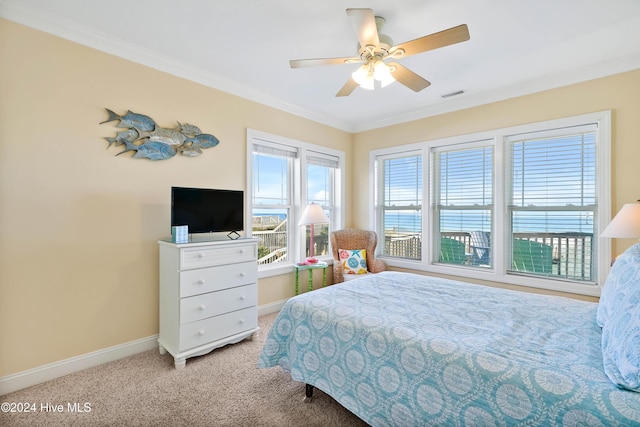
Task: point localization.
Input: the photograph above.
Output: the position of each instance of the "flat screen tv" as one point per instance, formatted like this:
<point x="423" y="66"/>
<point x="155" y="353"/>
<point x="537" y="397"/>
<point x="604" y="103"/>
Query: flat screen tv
<point x="206" y="210"/>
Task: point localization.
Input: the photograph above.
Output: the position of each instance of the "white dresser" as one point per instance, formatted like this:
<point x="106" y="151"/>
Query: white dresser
<point x="208" y="295"/>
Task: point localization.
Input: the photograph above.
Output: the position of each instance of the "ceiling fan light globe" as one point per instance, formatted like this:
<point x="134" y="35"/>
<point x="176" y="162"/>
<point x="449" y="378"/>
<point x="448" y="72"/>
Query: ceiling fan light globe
<point x="382" y="73"/>
<point x="379" y="68"/>
<point x="387" y="80"/>
<point x="368" y="84"/>
<point x="361" y="75"/>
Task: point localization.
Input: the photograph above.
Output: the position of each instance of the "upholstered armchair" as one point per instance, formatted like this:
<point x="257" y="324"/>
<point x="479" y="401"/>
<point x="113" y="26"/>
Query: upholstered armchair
<point x="351" y="239"/>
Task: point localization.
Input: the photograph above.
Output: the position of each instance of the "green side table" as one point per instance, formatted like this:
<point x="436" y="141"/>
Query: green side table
<point x="311" y="267"/>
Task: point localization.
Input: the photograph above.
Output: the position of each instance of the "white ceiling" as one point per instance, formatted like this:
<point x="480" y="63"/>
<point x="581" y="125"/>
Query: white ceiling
<point x="244" y="46"/>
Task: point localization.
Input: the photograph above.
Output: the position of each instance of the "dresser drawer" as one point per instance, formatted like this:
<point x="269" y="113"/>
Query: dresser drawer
<point x="214" y="328"/>
<point x="209" y="256"/>
<point x="214" y="303"/>
<point x="203" y="280"/>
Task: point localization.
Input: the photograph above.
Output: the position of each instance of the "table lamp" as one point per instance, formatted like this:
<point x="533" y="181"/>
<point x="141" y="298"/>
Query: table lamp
<point x="313" y="214"/>
<point x="626" y="224"/>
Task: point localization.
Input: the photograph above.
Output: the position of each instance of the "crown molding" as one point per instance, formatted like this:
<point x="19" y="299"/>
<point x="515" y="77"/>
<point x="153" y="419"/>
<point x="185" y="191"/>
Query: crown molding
<point x="30" y="17"/>
<point x="15" y="11"/>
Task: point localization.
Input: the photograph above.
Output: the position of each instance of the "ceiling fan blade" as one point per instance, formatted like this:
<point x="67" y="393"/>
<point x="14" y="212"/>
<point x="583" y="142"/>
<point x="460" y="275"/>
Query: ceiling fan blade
<point x="433" y="41"/>
<point x="364" y="22"/>
<point x="408" y="78"/>
<point x="347" y="88"/>
<point x="300" y="63"/>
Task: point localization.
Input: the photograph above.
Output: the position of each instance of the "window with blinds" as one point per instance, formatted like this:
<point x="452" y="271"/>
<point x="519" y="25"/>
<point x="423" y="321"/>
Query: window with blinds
<point x="462" y="177"/>
<point x="322" y="172"/>
<point x="521" y="205"/>
<point x="272" y="199"/>
<point x="283" y="177"/>
<point x="400" y="204"/>
<point x="552" y="202"/>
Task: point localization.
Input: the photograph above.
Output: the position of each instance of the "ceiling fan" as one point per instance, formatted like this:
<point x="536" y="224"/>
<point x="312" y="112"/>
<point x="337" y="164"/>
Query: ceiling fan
<point x="374" y="48"/>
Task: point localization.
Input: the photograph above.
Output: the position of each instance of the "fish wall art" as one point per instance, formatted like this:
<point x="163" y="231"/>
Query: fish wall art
<point x="149" y="141"/>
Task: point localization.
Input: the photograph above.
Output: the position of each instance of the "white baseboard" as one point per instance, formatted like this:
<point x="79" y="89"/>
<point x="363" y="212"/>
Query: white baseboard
<point x="24" y="379"/>
<point x="271" y="308"/>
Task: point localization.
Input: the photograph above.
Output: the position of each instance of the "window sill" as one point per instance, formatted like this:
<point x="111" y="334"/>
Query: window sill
<point x="463" y="273"/>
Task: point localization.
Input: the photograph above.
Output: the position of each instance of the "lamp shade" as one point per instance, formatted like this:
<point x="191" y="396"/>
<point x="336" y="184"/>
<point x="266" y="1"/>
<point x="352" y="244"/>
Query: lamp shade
<point x="626" y="224"/>
<point x="313" y="214"/>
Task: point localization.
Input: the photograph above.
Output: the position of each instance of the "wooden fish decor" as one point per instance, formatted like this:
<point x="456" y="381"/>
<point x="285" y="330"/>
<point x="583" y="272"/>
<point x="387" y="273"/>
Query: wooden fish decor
<point x="149" y="141"/>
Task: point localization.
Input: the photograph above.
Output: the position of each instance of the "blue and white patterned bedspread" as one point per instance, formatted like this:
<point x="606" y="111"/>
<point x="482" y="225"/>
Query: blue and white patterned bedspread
<point x="403" y="349"/>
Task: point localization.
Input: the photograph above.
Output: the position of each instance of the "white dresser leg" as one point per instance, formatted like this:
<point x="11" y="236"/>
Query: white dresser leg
<point x="162" y="350"/>
<point x="180" y="362"/>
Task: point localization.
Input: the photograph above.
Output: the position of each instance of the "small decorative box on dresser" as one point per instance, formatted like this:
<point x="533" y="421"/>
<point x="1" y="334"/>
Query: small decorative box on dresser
<point x="208" y="295"/>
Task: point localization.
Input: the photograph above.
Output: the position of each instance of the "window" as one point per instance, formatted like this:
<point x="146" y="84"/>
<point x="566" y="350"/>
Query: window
<point x="283" y="176"/>
<point x="272" y="200"/>
<point x="552" y="202"/>
<point x="521" y="205"/>
<point x="400" y="201"/>
<point x="322" y="170"/>
<point x="463" y="208"/>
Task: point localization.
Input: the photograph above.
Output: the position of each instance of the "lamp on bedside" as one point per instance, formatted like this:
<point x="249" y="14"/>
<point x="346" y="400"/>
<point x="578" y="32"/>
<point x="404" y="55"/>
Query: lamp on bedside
<point x="626" y="224"/>
<point x="313" y="214"/>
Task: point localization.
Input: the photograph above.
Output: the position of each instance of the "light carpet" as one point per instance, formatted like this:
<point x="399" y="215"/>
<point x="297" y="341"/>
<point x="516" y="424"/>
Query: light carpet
<point x="222" y="388"/>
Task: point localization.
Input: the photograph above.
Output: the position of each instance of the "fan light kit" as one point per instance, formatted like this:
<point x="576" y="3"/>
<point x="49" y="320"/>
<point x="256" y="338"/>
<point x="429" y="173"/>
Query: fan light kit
<point x="375" y="48"/>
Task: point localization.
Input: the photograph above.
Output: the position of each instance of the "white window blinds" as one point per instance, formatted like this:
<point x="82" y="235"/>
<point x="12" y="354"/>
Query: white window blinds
<point x="400" y="204"/>
<point x="463" y="181"/>
<point x="272" y="174"/>
<point x="552" y="201"/>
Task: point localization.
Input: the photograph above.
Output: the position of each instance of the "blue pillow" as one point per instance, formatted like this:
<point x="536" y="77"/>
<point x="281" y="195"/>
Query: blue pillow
<point x="623" y="277"/>
<point x="619" y="312"/>
<point x="621" y="346"/>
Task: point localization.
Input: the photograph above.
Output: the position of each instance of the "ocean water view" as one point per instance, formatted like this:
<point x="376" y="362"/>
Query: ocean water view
<point x="465" y="221"/>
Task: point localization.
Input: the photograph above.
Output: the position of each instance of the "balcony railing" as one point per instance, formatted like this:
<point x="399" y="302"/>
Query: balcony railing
<point x="572" y="253"/>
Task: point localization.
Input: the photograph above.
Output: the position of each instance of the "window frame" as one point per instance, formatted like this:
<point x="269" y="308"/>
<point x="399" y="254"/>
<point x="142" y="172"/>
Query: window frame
<point x="380" y="197"/>
<point x="498" y="272"/>
<point x="537" y="137"/>
<point x="299" y="195"/>
<point x="334" y="173"/>
<point x="435" y="163"/>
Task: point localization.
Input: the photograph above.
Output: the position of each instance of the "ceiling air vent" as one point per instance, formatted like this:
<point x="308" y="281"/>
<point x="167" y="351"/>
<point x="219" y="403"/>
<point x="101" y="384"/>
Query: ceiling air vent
<point x="449" y="95"/>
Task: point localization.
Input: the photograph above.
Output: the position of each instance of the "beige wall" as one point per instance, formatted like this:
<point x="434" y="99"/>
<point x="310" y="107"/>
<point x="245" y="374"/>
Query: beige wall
<point x="78" y="225"/>
<point x="619" y="93"/>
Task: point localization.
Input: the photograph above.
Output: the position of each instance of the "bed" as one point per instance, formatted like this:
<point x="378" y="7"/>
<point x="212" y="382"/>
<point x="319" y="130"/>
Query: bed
<point x="400" y="349"/>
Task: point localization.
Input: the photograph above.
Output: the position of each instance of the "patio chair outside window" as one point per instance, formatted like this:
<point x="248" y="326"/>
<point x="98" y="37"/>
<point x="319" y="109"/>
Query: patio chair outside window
<point x="531" y="256"/>
<point x="480" y="244"/>
<point x="452" y="251"/>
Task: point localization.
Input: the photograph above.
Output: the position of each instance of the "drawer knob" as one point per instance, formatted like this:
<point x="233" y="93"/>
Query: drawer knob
<point x="242" y="251"/>
<point x="201" y="282"/>
<point x="242" y="298"/>
<point x="202" y="307"/>
<point x="242" y="274"/>
<point x="201" y="332"/>
<point x="201" y="255"/>
<point x="241" y="320"/>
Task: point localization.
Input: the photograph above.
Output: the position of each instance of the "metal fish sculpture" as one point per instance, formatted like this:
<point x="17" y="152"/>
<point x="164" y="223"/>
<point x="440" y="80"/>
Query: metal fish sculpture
<point x="129" y="135"/>
<point x="131" y="120"/>
<point x="156" y="143"/>
<point x="187" y="129"/>
<point x="165" y="135"/>
<point x="150" y="150"/>
<point x="204" y="140"/>
<point x="191" y="151"/>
